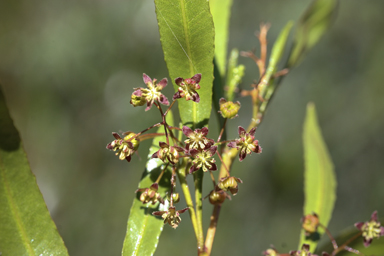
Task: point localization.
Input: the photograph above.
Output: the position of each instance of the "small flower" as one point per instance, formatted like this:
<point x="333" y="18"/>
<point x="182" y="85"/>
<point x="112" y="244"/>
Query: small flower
<point x="124" y="147"/>
<point x="371" y="229"/>
<point x="203" y="159"/>
<point x="228" y="109"/>
<point x="150" y="194"/>
<point x="304" y="251"/>
<point x="229" y="183"/>
<point x="197" y="139"/>
<point x="310" y="223"/>
<point x="187" y="88"/>
<point x="166" y="152"/>
<point x="246" y="143"/>
<point x="271" y="252"/>
<point x="150" y="94"/>
<point x="217" y="197"/>
<point x="171" y="216"/>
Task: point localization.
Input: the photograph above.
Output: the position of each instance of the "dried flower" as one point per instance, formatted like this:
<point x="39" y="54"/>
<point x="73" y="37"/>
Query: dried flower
<point x="197" y="139"/>
<point x="371" y="229"/>
<point x="229" y="183"/>
<point x="304" y="251"/>
<point x="310" y="223"/>
<point x="246" y="143"/>
<point x="171" y="216"/>
<point x="203" y="159"/>
<point x="228" y="109"/>
<point x="124" y="147"/>
<point x="187" y="88"/>
<point x="150" y="194"/>
<point x="166" y="152"/>
<point x="150" y="94"/>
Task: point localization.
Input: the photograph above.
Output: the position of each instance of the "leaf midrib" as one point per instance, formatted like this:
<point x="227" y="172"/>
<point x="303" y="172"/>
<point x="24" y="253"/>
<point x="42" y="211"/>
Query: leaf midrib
<point x="14" y="210"/>
<point x="191" y="71"/>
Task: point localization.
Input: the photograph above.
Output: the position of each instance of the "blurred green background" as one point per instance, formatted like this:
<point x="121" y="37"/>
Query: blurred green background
<point x="68" y="69"/>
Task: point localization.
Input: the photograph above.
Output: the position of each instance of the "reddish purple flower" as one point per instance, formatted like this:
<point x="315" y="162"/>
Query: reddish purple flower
<point x="172" y="217"/>
<point x="187" y="88"/>
<point x="124" y="148"/>
<point x="246" y="143"/>
<point x="197" y="139"/>
<point x="203" y="159"/>
<point x="371" y="229"/>
<point x="304" y="251"/>
<point x="166" y="152"/>
<point x="151" y="94"/>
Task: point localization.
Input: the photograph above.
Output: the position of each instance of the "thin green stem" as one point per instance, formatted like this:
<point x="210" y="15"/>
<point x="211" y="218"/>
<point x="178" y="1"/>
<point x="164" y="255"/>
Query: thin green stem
<point x="198" y="178"/>
<point x="181" y="174"/>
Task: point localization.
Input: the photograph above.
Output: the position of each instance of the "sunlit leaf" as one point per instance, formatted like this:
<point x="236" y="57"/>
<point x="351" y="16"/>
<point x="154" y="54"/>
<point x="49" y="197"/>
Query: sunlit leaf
<point x="319" y="176"/>
<point x="221" y="12"/>
<point x="312" y="26"/>
<point x="144" y="229"/>
<point x="26" y="227"/>
<point x="187" y="37"/>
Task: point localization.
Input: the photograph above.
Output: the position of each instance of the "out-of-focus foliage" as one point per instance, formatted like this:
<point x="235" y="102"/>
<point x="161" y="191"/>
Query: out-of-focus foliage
<point x="187" y="37"/>
<point x="68" y="69"/>
<point x="319" y="177"/>
<point x="26" y="226"/>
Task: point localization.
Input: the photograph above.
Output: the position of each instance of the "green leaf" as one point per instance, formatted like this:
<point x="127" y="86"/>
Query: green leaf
<point x="312" y="26"/>
<point x="144" y="229"/>
<point x="319" y="176"/>
<point x="187" y="37"/>
<point x="221" y="13"/>
<point x="26" y="226"/>
<point x="234" y="75"/>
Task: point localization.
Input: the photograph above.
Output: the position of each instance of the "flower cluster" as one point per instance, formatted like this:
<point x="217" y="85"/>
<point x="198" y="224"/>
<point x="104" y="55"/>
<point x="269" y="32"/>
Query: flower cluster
<point x="371" y="229"/>
<point x="172" y="217"/>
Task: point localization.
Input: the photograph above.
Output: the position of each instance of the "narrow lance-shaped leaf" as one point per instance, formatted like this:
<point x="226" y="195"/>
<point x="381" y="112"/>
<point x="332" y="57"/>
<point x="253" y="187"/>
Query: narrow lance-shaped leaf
<point x="312" y="26"/>
<point x="144" y="229"/>
<point x="187" y="38"/>
<point x="319" y="176"/>
<point x="221" y="12"/>
<point x="26" y="227"/>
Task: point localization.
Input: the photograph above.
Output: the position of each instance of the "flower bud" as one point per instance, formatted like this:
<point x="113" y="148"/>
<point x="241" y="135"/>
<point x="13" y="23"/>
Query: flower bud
<point x="228" y="109"/>
<point x="217" y="197"/>
<point x="310" y="223"/>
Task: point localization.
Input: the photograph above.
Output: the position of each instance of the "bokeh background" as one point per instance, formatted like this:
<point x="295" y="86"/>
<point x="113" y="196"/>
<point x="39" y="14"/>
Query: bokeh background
<point x="68" y="69"/>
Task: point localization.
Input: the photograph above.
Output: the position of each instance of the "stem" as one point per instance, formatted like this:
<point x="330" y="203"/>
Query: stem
<point x="212" y="229"/>
<point x="166" y="112"/>
<point x="198" y="177"/>
<point x="161" y="174"/>
<point x="188" y="198"/>
<point x="222" y="130"/>
<point x="344" y="245"/>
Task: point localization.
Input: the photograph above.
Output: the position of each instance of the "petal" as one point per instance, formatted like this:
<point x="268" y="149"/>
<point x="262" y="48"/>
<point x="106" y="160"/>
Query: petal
<point x="176" y="96"/>
<point x="193" y="152"/>
<point x="238" y="180"/>
<point x="146" y="78"/>
<point x="212" y="150"/>
<point x="187" y="131"/>
<point x="137" y="93"/>
<point x="159" y="213"/>
<point x="163" y="100"/>
<point x="163" y="144"/>
<point x="128" y="158"/>
<point x="242" y="155"/>
<point x="359" y="225"/>
<point x="232" y="144"/>
<point x="367" y="242"/>
<point x="155" y="155"/>
<point x="179" y="149"/>
<point x="222" y="101"/>
<point x="162" y="83"/>
<point x="109" y="146"/>
<point x="192" y="169"/>
<point x="116" y="135"/>
<point x="381" y="231"/>
<point x="234" y="190"/>
<point x="242" y="131"/>
<point x="196" y="97"/>
<point x="252" y="131"/>
<point x="197" y="78"/>
<point x="374" y="216"/>
<point x="213" y="167"/>
<point x="179" y="80"/>
<point x="149" y="105"/>
<point x="183" y="210"/>
<point x="204" y="131"/>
